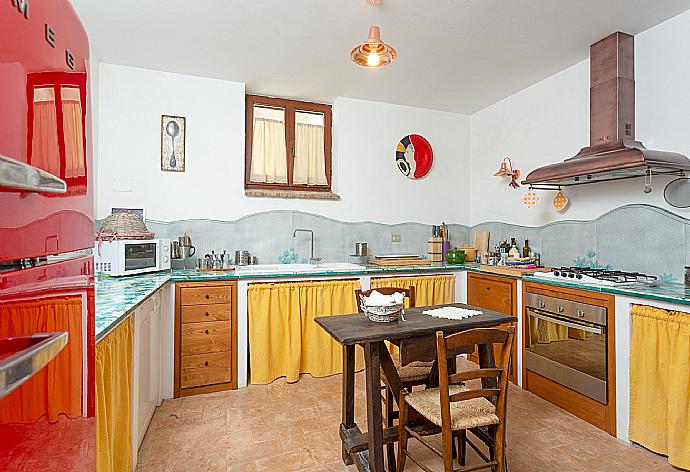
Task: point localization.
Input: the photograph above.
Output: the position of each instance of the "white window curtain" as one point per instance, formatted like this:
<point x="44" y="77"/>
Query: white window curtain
<point x="310" y="164"/>
<point x="269" y="156"/>
<point x="75" y="163"/>
<point x="45" y="153"/>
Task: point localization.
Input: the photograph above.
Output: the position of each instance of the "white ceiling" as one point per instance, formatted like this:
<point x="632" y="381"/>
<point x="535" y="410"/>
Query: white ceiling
<point x="455" y="55"/>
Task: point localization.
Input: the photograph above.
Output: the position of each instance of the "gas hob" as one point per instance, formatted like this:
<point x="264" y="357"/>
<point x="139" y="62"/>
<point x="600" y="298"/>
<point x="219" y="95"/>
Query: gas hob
<point x="595" y="276"/>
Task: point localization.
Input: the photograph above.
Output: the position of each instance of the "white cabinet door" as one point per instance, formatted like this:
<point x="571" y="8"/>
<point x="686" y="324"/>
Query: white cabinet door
<point x="148" y="364"/>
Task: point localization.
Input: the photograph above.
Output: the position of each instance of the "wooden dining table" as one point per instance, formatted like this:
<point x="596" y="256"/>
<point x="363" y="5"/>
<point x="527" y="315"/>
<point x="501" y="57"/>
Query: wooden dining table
<point x="416" y="338"/>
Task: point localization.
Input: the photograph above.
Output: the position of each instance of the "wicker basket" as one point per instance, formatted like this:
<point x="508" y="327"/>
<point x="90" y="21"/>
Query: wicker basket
<point x="124" y="225"/>
<point x="383" y="313"/>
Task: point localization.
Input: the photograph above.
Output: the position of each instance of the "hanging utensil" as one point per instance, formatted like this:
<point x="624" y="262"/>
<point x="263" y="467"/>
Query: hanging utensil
<point x="647" y="181"/>
<point x="677" y="193"/>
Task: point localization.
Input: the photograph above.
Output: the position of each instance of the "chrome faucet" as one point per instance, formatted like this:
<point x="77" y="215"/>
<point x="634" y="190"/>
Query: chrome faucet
<point x="312" y="259"/>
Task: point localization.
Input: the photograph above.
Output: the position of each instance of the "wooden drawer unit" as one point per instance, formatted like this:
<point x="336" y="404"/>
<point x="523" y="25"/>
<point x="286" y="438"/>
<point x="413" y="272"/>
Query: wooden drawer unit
<point x="205" y="369"/>
<point x="205" y="337"/>
<point x="496" y="293"/>
<point x="202" y="313"/>
<point x="206" y="295"/>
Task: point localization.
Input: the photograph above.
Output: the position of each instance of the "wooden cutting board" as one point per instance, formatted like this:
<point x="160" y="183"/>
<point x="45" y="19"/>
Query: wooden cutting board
<point x="392" y="262"/>
<point x="512" y="271"/>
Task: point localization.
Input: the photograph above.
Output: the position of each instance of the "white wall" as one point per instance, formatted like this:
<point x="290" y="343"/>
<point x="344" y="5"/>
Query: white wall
<point x="549" y="122"/>
<point x="132" y="100"/>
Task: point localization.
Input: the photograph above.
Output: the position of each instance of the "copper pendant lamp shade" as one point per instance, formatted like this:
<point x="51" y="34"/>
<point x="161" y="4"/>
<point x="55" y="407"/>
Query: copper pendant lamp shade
<point x="373" y="52"/>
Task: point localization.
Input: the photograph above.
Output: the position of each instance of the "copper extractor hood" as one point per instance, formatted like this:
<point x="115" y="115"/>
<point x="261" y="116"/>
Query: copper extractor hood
<point x="613" y="153"/>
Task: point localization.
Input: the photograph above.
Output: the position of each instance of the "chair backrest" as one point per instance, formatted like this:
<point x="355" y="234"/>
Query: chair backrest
<point x="408" y="292"/>
<point x="497" y="376"/>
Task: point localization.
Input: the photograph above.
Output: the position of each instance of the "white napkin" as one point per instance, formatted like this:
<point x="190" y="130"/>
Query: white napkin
<point x="378" y="299"/>
<point x="452" y="312"/>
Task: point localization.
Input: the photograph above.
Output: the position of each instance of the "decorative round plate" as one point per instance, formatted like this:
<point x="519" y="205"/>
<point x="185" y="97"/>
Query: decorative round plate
<point x="414" y="156"/>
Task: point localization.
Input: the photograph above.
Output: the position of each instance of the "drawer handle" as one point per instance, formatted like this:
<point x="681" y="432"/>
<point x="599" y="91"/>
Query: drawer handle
<point x="206" y="363"/>
<point x="206" y="331"/>
<point x="207" y="297"/>
<point x="206" y="313"/>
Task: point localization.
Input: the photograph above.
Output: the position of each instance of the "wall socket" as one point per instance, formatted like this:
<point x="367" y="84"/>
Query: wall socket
<point x="396" y="238"/>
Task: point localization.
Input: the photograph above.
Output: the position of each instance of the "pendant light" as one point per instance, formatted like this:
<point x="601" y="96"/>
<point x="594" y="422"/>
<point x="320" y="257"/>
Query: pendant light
<point x="373" y="52"/>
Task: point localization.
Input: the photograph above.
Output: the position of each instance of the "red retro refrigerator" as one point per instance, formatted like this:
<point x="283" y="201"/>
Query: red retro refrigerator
<point x="47" y="342"/>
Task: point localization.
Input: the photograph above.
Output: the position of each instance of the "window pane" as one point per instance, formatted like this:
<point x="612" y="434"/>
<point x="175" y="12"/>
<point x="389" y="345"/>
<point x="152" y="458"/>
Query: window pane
<point x="310" y="163"/>
<point x="75" y="162"/>
<point x="269" y="156"/>
<point x="45" y="152"/>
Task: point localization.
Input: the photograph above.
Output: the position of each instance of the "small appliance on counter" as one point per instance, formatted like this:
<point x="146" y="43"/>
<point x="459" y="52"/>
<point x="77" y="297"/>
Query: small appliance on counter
<point x="121" y="257"/>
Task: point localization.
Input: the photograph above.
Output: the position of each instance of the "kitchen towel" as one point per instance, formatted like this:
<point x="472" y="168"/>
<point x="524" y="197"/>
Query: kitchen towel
<point x="452" y="313"/>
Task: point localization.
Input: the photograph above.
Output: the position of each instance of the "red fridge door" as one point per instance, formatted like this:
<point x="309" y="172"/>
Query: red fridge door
<point x="46" y="188"/>
<point x="47" y="378"/>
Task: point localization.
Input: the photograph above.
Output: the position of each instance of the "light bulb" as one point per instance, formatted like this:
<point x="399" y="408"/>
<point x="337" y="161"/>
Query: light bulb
<point x="373" y="60"/>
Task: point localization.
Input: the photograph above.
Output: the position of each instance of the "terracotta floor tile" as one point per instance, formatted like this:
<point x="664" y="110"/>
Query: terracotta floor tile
<point x="289" y="461"/>
<point x="284" y="427"/>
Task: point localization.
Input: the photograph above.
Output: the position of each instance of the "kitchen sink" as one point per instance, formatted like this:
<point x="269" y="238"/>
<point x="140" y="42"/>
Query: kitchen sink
<point x="298" y="268"/>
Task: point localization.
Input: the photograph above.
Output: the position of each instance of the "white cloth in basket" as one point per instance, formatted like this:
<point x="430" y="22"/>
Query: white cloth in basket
<point x="452" y="312"/>
<point x="378" y="299"/>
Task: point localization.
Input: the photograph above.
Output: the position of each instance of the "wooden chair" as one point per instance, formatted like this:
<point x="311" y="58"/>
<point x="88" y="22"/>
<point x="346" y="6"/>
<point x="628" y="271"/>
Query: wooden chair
<point x="413" y="374"/>
<point x="456" y="408"/>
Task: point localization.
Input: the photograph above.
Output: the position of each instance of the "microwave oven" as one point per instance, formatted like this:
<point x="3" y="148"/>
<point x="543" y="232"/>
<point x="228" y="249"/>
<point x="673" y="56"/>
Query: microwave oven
<point x="132" y="256"/>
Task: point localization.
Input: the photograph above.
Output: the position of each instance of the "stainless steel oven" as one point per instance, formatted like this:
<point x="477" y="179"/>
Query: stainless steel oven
<point x="566" y="342"/>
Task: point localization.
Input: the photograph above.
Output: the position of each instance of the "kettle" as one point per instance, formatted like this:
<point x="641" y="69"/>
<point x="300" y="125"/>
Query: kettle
<point x="185" y="240"/>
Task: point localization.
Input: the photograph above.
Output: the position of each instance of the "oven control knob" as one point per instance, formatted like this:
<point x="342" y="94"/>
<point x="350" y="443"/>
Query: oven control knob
<point x="560" y="309"/>
<point x="165" y="259"/>
<point x="580" y="313"/>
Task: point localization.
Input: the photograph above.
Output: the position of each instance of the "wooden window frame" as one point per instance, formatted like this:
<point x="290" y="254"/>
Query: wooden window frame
<point x="290" y="107"/>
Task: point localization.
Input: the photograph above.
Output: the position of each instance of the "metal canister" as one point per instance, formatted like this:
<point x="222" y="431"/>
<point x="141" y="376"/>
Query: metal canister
<point x="241" y="258"/>
<point x="361" y="249"/>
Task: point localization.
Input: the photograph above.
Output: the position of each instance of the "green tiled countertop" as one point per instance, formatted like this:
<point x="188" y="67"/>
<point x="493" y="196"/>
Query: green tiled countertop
<point x="117" y="297"/>
<point x="665" y="291"/>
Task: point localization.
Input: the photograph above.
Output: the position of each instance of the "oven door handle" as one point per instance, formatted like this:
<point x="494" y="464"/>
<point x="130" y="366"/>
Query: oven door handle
<point x="559" y="321"/>
<point x="33" y="353"/>
<point x="22" y="176"/>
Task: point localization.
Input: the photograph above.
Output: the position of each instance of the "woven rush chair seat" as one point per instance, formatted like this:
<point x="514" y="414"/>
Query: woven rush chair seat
<point x="416" y="371"/>
<point x="466" y="414"/>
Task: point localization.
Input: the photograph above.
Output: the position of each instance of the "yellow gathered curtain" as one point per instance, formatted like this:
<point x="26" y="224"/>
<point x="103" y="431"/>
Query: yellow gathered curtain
<point x="114" y="400"/>
<point x="429" y="290"/>
<point x="660" y="382"/>
<point x="310" y="164"/>
<point x="269" y="155"/>
<point x="51" y="391"/>
<point x="284" y="340"/>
